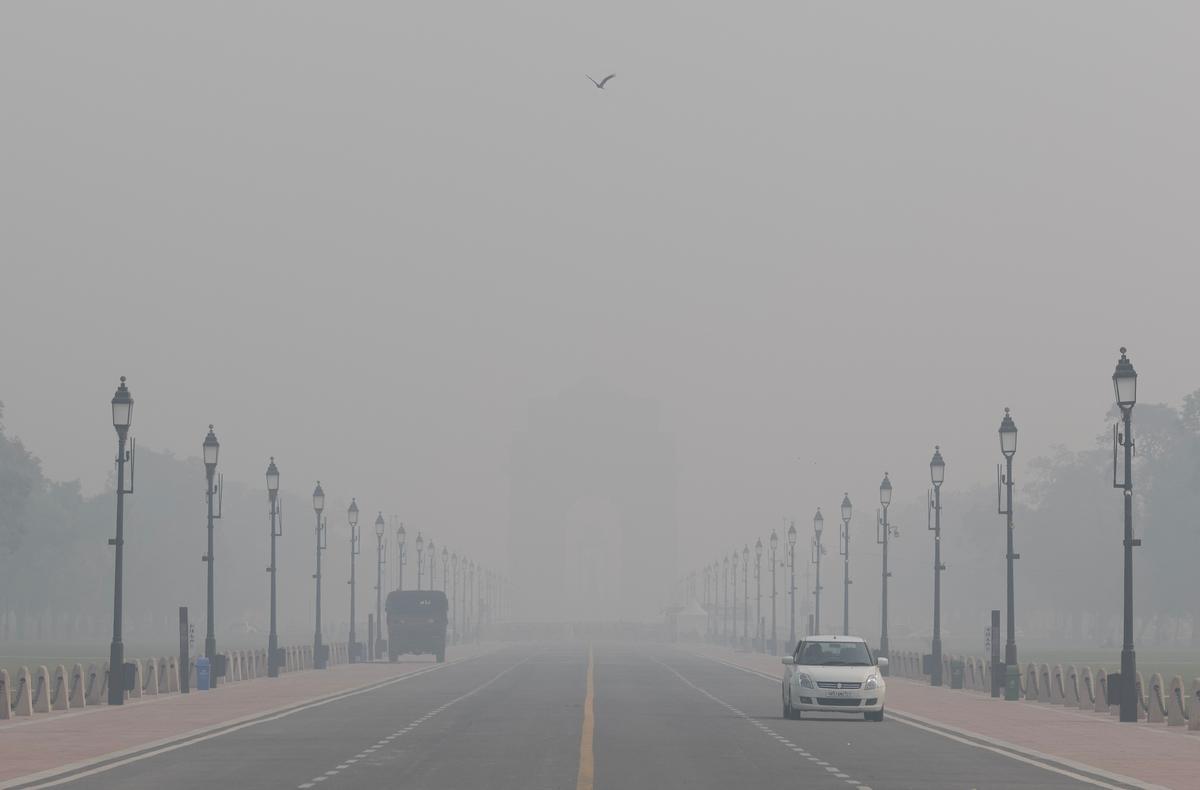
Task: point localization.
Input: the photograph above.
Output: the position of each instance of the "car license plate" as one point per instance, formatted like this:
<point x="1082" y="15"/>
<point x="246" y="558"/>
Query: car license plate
<point x="839" y="693"/>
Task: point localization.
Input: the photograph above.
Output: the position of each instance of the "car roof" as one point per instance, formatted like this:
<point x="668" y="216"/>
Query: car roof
<point x="832" y="638"/>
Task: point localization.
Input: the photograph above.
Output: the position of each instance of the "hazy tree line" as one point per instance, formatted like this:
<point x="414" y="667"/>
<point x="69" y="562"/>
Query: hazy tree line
<point x="56" y="567"/>
<point x="1068" y="528"/>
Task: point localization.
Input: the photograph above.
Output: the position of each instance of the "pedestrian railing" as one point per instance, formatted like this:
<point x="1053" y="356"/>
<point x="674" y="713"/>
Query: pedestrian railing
<point x="1172" y="704"/>
<point x="39" y="691"/>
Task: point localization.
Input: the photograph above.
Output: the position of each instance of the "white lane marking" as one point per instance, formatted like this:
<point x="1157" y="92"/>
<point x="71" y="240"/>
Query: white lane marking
<point x="427" y="716"/>
<point x="743" y="715"/>
<point x="1010" y="750"/>
<point x="208" y="733"/>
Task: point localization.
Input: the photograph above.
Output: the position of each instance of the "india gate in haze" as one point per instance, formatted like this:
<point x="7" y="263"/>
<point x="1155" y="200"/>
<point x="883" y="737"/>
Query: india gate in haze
<point x="592" y="532"/>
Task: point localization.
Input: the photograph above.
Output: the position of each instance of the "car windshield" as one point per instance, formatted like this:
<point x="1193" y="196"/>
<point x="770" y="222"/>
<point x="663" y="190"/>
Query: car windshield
<point x="833" y="654"/>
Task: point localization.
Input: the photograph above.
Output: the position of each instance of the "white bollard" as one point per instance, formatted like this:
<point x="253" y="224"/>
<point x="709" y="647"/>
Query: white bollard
<point x="150" y="683"/>
<point x="1158" y="709"/>
<point x="1193" y="708"/>
<point x="5" y="696"/>
<point x="1176" y="716"/>
<point x="1058" y="694"/>
<point x="41" y="691"/>
<point x="77" y="697"/>
<point x="1101" y="692"/>
<point x="136" y="691"/>
<point x="59" y="689"/>
<point x="24" y="702"/>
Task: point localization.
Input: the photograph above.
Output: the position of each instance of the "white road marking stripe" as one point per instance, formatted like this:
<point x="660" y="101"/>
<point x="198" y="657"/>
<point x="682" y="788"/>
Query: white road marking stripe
<point x="768" y="730"/>
<point x="1012" y="751"/>
<point x="207" y="733"/>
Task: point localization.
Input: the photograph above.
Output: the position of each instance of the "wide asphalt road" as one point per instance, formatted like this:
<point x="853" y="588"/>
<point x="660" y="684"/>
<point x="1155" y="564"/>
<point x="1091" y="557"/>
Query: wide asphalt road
<point x="520" y="719"/>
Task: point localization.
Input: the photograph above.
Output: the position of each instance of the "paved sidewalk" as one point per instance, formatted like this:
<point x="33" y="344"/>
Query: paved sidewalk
<point x="53" y="741"/>
<point x="1151" y="753"/>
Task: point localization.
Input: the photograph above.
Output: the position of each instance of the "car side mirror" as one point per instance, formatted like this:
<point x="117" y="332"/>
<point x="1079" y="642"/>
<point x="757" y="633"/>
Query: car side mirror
<point x="882" y="662"/>
<point x="788" y="661"/>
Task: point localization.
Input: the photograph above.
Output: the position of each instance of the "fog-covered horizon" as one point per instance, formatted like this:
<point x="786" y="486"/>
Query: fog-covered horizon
<point x="379" y="243"/>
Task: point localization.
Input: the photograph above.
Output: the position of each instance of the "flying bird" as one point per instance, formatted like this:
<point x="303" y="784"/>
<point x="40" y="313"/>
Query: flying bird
<point x="602" y="82"/>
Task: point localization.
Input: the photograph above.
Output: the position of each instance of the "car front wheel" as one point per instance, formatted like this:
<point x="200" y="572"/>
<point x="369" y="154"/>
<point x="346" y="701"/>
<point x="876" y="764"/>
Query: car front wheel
<point x="873" y="715"/>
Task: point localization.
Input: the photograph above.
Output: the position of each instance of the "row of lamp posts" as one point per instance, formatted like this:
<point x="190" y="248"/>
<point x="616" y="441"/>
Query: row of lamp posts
<point x="122" y="416"/>
<point x="1125" y="390"/>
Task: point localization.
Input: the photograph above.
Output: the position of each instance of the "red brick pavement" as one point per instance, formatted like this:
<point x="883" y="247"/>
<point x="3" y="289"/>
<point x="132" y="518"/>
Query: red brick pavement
<point x="1150" y="753"/>
<point x="53" y="741"/>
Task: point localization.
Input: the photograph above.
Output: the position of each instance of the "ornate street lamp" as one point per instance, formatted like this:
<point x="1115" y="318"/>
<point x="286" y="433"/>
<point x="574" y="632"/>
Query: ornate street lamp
<point x="352" y="519"/>
<point x="319" y="661"/>
<point x="745" y="594"/>
<point x="937" y="473"/>
<point x="817" y="551"/>
<point x="774" y="594"/>
<point x="758" y="621"/>
<point x="445" y="567"/>
<point x="122" y="417"/>
<point x="454" y="596"/>
<point x="420" y="550"/>
<point x="883" y="532"/>
<point x="402" y="557"/>
<point x="212" y="449"/>
<point x="844" y="550"/>
<point x="379" y="560"/>
<point x="432" y="558"/>
<point x="725" y="633"/>
<point x="1125" y="388"/>
<point x="1008" y="448"/>
<point x="791" y="536"/>
<point x="276" y="531"/>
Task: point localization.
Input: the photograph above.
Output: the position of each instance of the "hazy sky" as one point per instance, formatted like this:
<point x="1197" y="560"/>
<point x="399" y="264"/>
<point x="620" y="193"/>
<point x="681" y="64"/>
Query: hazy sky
<point x="366" y="237"/>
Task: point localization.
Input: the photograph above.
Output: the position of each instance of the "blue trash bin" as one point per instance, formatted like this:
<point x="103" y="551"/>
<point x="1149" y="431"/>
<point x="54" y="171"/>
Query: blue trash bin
<point x="203" y="676"/>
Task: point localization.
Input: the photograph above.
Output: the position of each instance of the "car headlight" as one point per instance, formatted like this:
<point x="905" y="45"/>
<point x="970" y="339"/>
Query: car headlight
<point x="805" y="681"/>
<point x="871" y="683"/>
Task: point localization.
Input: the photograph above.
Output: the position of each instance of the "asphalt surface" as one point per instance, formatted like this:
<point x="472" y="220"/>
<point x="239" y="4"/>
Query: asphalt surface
<point x="512" y="720"/>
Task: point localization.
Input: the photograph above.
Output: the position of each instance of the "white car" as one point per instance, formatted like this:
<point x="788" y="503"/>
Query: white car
<point x="833" y="674"/>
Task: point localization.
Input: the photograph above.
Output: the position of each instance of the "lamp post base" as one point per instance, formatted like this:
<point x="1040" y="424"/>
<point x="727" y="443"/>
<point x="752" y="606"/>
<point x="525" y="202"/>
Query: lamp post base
<point x="116" y="674"/>
<point x="1129" y="690"/>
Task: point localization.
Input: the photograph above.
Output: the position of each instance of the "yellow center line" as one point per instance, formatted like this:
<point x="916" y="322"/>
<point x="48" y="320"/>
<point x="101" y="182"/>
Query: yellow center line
<point x="587" y="762"/>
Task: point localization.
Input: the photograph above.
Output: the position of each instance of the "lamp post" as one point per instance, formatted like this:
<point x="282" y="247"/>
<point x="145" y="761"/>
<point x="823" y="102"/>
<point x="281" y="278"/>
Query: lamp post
<point x="791" y="536"/>
<point x="745" y="595"/>
<point x="445" y="567"/>
<point x="733" y="569"/>
<point x="714" y="622"/>
<point x="276" y="531"/>
<point x="402" y="555"/>
<point x="1008" y="448"/>
<point x="844" y="550"/>
<point x="352" y="518"/>
<point x="774" y="594"/>
<point x="454" y="596"/>
<point x="379" y="557"/>
<point x="212" y="449"/>
<point x="818" y="550"/>
<point x="122" y="417"/>
<point x="883" y="532"/>
<point x="420" y="550"/>
<point x="471" y="604"/>
<point x="725" y="608"/>
<point x="708" y="610"/>
<point x="466" y="612"/>
<point x="762" y="639"/>
<point x="318" y="506"/>
<point x="937" y="473"/>
<point x="432" y="558"/>
<point x="1125" y="387"/>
